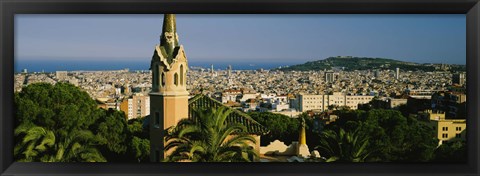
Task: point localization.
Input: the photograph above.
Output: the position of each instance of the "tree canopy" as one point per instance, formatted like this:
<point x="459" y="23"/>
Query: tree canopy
<point x="392" y="136"/>
<point x="61" y="123"/>
<point x="281" y="127"/>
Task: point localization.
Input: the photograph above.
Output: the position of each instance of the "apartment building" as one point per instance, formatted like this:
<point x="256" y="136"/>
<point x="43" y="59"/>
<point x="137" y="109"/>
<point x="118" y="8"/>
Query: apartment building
<point x="322" y="102"/>
<point x="136" y="106"/>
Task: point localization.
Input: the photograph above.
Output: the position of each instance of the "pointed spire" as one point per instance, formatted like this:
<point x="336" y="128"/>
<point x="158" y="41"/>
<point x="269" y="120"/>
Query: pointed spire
<point x="302" y="138"/>
<point x="168" y="38"/>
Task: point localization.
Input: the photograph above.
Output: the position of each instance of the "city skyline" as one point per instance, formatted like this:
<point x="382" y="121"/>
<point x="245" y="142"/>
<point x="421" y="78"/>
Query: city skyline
<point x="167" y="115"/>
<point x="249" y="38"/>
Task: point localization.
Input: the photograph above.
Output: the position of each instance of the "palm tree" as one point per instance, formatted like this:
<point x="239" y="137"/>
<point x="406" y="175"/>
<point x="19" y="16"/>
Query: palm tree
<point x="35" y="141"/>
<point x="344" y="146"/>
<point x="41" y="144"/>
<point x="209" y="138"/>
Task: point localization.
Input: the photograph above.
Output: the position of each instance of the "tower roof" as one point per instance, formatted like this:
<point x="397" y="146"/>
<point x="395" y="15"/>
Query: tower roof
<point x="169" y="24"/>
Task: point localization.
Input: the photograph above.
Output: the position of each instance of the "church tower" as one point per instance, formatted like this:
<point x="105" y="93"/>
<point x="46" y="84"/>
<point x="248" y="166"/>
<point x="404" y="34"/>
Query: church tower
<point x="169" y="96"/>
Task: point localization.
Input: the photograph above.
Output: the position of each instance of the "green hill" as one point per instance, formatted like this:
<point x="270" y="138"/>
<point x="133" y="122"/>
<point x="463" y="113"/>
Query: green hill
<point x="349" y="63"/>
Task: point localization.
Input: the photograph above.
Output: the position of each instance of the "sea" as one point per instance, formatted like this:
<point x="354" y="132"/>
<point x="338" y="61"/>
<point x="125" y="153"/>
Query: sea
<point x="133" y="65"/>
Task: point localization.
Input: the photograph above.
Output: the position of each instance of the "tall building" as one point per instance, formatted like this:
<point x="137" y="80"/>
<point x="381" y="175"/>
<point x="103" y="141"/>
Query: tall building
<point x="229" y="72"/>
<point x="212" y="71"/>
<point x="169" y="96"/>
<point x="376" y="73"/>
<point x="397" y="75"/>
<point x="329" y="77"/>
<point x="458" y="78"/>
<point x="136" y="106"/>
<point x="169" y="101"/>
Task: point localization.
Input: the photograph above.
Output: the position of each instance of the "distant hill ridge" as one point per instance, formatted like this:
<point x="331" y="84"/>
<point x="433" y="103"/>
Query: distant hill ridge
<point x="349" y="63"/>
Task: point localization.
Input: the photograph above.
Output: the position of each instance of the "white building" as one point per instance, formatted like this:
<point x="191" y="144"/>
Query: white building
<point x="397" y="75"/>
<point x="247" y="96"/>
<point x="280" y="106"/>
<point x="230" y="95"/>
<point x="322" y="102"/>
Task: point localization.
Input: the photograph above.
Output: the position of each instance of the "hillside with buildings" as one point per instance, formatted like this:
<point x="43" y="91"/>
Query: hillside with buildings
<point x="350" y="63"/>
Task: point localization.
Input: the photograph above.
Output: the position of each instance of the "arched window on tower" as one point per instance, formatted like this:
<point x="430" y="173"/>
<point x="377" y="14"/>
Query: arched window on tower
<point x="175" y="79"/>
<point x="181" y="75"/>
<point x="155" y="77"/>
<point x="163" y="79"/>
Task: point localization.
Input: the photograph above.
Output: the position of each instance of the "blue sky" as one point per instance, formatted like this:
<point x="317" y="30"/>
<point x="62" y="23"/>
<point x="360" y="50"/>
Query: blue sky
<point x="250" y="38"/>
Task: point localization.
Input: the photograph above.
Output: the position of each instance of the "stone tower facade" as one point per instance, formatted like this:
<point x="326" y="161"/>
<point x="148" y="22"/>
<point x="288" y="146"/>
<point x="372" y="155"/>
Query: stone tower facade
<point x="169" y="96"/>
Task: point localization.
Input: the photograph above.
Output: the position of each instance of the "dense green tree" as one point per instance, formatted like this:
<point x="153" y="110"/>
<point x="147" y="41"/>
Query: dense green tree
<point x="281" y="127"/>
<point x="112" y="131"/>
<point x="349" y="116"/>
<point x="420" y="142"/>
<point x="455" y="151"/>
<point x="62" y="123"/>
<point x="61" y="112"/>
<point x="209" y="138"/>
<point x="55" y="106"/>
<point x="399" y="138"/>
<point x="139" y="147"/>
<point x="392" y="136"/>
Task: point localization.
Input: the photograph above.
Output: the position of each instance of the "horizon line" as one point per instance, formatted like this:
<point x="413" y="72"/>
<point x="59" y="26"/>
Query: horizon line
<point x="232" y="60"/>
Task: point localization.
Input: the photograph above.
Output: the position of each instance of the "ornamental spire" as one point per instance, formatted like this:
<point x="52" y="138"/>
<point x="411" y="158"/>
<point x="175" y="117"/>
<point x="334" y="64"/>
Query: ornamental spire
<point x="302" y="139"/>
<point x="169" y="37"/>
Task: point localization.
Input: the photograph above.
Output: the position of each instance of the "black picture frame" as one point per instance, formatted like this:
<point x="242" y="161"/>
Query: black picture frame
<point x="8" y="9"/>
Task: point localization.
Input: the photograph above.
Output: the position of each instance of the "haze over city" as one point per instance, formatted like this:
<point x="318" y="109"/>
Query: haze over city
<point x="286" y="39"/>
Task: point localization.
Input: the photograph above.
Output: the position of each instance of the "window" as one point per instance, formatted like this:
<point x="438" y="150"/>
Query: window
<point x="163" y="80"/>
<point x="444" y="135"/>
<point x="458" y="136"/>
<point x="155" y="77"/>
<point x="444" y="128"/>
<point x="459" y="128"/>
<point x="157" y="120"/>
<point x="175" y="79"/>
<point x="181" y="74"/>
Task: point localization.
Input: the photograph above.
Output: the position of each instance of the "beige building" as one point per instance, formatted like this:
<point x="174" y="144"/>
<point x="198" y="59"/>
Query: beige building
<point x="394" y="103"/>
<point x="61" y="75"/>
<point x="169" y="99"/>
<point x="136" y="106"/>
<point x="447" y="129"/>
<point x="322" y="102"/>
<point x="169" y="96"/>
